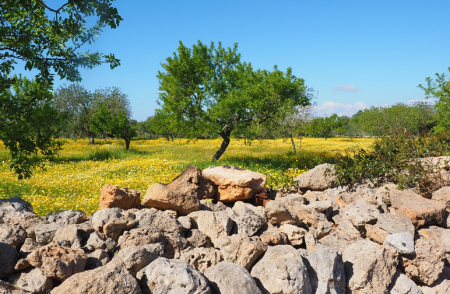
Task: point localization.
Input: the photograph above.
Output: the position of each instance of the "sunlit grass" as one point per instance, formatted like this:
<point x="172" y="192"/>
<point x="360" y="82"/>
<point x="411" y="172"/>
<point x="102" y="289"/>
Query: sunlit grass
<point x="73" y="179"/>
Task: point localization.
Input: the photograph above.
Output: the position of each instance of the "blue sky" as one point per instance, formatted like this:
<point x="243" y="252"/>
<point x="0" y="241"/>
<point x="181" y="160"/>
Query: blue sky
<point x="354" y="54"/>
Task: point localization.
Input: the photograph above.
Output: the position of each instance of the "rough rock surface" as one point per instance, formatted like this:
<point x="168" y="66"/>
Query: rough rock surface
<point x="32" y="280"/>
<point x="213" y="224"/>
<point x="8" y="258"/>
<point x="12" y="234"/>
<point x="342" y="236"/>
<point x="402" y="242"/>
<point x="233" y="183"/>
<point x="243" y="282"/>
<point x="315" y="179"/>
<point x="281" y="270"/>
<point x="124" y="198"/>
<point x="369" y="267"/>
<point x="201" y="258"/>
<point x="66" y="217"/>
<point x="248" y="220"/>
<point x="442" y="195"/>
<point x="403" y="285"/>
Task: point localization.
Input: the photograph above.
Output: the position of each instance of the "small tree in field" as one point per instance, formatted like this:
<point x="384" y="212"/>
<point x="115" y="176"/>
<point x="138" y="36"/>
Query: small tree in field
<point x="209" y="90"/>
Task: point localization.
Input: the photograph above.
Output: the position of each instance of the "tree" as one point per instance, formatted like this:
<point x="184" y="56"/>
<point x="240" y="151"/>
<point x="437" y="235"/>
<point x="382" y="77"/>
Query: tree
<point x="208" y="89"/>
<point x="164" y="124"/>
<point x="27" y="125"/>
<point x="323" y="126"/>
<point x="439" y="89"/>
<point x="46" y="39"/>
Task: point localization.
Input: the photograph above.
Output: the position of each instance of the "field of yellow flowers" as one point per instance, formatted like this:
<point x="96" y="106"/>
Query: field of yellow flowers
<point x="73" y="179"/>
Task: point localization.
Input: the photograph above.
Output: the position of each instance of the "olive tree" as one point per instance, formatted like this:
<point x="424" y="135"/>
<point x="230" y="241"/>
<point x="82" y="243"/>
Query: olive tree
<point x="207" y="89"/>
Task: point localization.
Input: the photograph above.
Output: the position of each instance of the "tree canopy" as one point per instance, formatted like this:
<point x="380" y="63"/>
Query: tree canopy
<point x="47" y="39"/>
<point x="207" y="89"/>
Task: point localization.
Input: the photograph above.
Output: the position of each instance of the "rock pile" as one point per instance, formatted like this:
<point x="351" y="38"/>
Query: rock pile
<point x="323" y="239"/>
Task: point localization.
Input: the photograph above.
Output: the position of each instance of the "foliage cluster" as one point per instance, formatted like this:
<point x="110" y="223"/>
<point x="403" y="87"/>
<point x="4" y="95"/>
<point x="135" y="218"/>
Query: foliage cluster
<point x="394" y="158"/>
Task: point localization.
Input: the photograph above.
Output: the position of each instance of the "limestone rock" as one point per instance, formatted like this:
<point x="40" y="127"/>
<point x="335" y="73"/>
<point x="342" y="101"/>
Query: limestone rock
<point x="66" y="217"/>
<point x="273" y="236"/>
<point x="442" y="195"/>
<point x="402" y="242"/>
<point x="281" y="270"/>
<point x="219" y="278"/>
<point x="326" y="270"/>
<point x="361" y="213"/>
<point x="342" y="236"/>
<point x="46" y="232"/>
<point x="278" y="214"/>
<point x="376" y="234"/>
<point x="112" y="222"/>
<point x="403" y="285"/>
<point x="247" y="220"/>
<point x="13" y="235"/>
<point x="295" y="235"/>
<point x="369" y="267"/>
<point x="68" y="237"/>
<point x="201" y="258"/>
<point x="234" y="183"/>
<point x="123" y="198"/>
<point x="7" y="288"/>
<point x="97" y="259"/>
<point x="182" y="194"/>
<point x="211" y="206"/>
<point x="134" y="258"/>
<point x="106" y="280"/>
<point x="174" y="276"/>
<point x="161" y="222"/>
<point x="15" y="207"/>
<point x="58" y="262"/>
<point x="8" y="258"/>
<point x="32" y="280"/>
<point x="393" y="224"/>
<point x="419" y="210"/>
<point x="196" y="238"/>
<point x="213" y="224"/>
<point x="315" y="179"/>
<point x="241" y="249"/>
<point x="28" y="246"/>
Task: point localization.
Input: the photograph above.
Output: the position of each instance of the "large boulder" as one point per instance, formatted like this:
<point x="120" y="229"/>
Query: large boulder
<point x="124" y="198"/>
<point x="369" y="267"/>
<point x="281" y="270"/>
<point x="182" y="194"/>
<point x="219" y="278"/>
<point x="419" y="210"/>
<point x="173" y="276"/>
<point x="317" y="179"/>
<point x="15" y="207"/>
<point x="234" y="183"/>
<point x="58" y="262"/>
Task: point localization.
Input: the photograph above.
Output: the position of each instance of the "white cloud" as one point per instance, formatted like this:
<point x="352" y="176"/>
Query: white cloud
<point x="329" y="107"/>
<point x="347" y="88"/>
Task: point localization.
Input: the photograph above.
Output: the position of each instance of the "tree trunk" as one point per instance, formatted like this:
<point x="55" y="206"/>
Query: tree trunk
<point x="293" y="144"/>
<point x="127" y="144"/>
<point x="223" y="146"/>
<point x="91" y="139"/>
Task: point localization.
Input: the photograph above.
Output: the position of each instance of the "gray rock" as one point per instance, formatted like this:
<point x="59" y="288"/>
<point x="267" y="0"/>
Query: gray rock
<point x="281" y="270"/>
<point x="46" y="232"/>
<point x="402" y="242"/>
<point x="97" y="259"/>
<point x="213" y="224"/>
<point x="442" y="195"/>
<point x="320" y="206"/>
<point x="369" y="267"/>
<point x="316" y="179"/>
<point x="7" y="288"/>
<point x="95" y="242"/>
<point x="173" y="276"/>
<point x="342" y="236"/>
<point x="242" y="283"/>
<point x="68" y="237"/>
<point x="403" y="285"/>
<point x="246" y="221"/>
<point x="185" y="222"/>
<point x="195" y="238"/>
<point x="393" y="224"/>
<point x="241" y="249"/>
<point x="160" y="221"/>
<point x="32" y="280"/>
<point x="210" y="206"/>
<point x="8" y="258"/>
<point x="135" y="258"/>
<point x="278" y="214"/>
<point x="201" y="258"/>
<point x="361" y="213"/>
<point x="15" y="207"/>
<point x="13" y="235"/>
<point x="112" y="222"/>
<point x="326" y="270"/>
<point x="66" y="217"/>
<point x="28" y="246"/>
<point x="106" y="280"/>
<point x="295" y="235"/>
<point x="273" y="236"/>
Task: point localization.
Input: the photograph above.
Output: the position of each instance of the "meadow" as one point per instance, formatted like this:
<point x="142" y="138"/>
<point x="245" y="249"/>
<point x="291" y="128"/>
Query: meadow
<point x="73" y="179"/>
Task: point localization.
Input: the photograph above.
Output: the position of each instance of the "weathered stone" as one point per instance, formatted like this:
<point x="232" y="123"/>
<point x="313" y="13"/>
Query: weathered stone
<point x="7" y="288"/>
<point x="369" y="267"/>
<point x="376" y="234"/>
<point x="427" y="264"/>
<point x="182" y="194"/>
<point x="135" y="258"/>
<point x="46" y="232"/>
<point x="174" y="276"/>
<point x="273" y="236"/>
<point x="247" y="221"/>
<point x="439" y="235"/>
<point x="419" y="210"/>
<point x="233" y="183"/>
<point x="21" y="264"/>
<point x="241" y="249"/>
<point x="278" y="214"/>
<point x="13" y="235"/>
<point x="68" y="237"/>
<point x="403" y="285"/>
<point x="201" y="258"/>
<point x="214" y="224"/>
<point x="441" y="288"/>
<point x="8" y="258"/>
<point x="95" y="242"/>
<point x="210" y="206"/>
<point x="123" y="198"/>
<point x="161" y="222"/>
<point x="341" y="236"/>
<point x="316" y="179"/>
<point x="393" y="224"/>
<point x="58" y="262"/>
<point x="196" y="238"/>
<point x="294" y="234"/>
<point x="32" y="280"/>
<point x="28" y="223"/>
<point x="15" y="207"/>
<point x="281" y="270"/>
<point x="112" y="222"/>
<point x="185" y="222"/>
<point x="326" y="270"/>
<point x="319" y="206"/>
<point x="402" y="242"/>
<point x="97" y="259"/>
<point x="28" y="246"/>
<point x="66" y="217"/>
<point x="442" y="195"/>
<point x="106" y="280"/>
<point x="242" y="283"/>
<point x="361" y="213"/>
